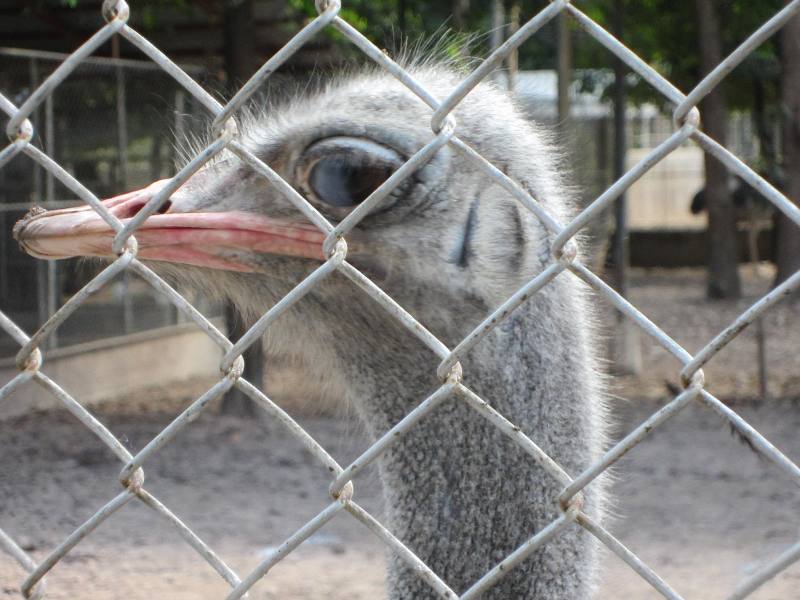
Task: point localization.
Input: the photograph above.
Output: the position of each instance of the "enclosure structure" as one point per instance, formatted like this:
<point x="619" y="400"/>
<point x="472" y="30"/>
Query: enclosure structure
<point x="455" y="384"/>
<point x="147" y="112"/>
<point x="664" y="231"/>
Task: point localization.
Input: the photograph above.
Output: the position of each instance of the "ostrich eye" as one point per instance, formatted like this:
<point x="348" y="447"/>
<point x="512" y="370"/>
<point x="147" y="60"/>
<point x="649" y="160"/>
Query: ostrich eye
<point x="341" y="183"/>
<point x="342" y="172"/>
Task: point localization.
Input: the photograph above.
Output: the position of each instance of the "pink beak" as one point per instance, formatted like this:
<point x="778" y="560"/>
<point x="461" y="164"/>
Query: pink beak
<point x="218" y="240"/>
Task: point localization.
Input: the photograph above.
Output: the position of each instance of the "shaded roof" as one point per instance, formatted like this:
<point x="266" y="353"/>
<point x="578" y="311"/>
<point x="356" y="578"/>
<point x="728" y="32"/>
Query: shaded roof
<point x="193" y="33"/>
<point x="538" y="92"/>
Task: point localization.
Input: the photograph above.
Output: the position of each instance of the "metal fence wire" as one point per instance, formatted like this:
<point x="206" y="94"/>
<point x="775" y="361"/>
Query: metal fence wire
<point x="445" y="128"/>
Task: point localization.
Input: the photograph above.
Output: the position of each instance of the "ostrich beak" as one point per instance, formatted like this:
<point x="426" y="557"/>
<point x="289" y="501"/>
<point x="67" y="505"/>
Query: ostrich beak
<point x="218" y="240"/>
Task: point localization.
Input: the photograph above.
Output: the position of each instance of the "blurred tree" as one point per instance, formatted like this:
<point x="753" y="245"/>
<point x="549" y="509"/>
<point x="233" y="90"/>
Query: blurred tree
<point x="240" y="42"/>
<point x="685" y="40"/>
<point x="399" y="23"/>
<point x="723" y="256"/>
<point x="460" y="12"/>
<point x="240" y="64"/>
<point x="788" y="242"/>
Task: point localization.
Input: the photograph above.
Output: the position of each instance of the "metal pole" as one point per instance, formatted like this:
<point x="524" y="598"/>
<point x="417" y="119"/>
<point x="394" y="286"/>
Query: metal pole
<point x="564" y="68"/>
<point x="122" y="174"/>
<point x="122" y="118"/>
<point x="4" y="269"/>
<point x="620" y="153"/>
<point x="763" y="375"/>
<point x="628" y="358"/>
<point x="52" y="267"/>
<point x="33" y="74"/>
<point x="498" y="31"/>
<point x="41" y="266"/>
<point x="180" y="122"/>
<point x="513" y="57"/>
<point x="180" y="134"/>
<point x="753" y="229"/>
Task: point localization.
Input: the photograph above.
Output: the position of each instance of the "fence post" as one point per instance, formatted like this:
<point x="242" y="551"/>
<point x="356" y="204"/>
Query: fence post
<point x="626" y="343"/>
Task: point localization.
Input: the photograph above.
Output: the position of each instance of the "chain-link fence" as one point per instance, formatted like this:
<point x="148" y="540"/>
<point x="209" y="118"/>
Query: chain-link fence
<point x="445" y="130"/>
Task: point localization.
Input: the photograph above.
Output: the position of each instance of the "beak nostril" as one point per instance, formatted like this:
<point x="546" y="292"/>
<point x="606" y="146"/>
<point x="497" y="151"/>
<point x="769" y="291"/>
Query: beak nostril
<point x="128" y="210"/>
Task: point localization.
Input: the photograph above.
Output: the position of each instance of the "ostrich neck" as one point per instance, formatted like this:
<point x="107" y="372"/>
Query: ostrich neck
<point x="459" y="494"/>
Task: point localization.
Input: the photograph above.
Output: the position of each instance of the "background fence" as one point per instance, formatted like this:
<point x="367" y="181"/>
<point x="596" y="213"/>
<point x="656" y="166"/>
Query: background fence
<point x="30" y="355"/>
<point x="146" y="111"/>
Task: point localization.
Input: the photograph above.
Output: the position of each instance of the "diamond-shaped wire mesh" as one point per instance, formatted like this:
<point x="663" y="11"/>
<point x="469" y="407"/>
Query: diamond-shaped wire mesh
<point x="445" y="129"/>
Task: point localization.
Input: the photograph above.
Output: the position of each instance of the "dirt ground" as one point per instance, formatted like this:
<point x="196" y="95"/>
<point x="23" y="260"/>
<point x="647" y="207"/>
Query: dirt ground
<point x="692" y="501"/>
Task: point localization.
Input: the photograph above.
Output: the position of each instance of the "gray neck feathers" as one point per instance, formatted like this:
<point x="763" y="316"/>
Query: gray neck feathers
<point x="459" y="493"/>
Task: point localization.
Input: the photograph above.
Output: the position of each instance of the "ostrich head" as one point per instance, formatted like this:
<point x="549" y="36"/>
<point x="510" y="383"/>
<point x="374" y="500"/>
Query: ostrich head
<point x="448" y="245"/>
<point x="446" y="227"/>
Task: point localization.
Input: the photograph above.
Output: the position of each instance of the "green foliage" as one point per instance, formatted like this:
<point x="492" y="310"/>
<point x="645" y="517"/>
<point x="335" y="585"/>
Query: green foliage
<point x="422" y="21"/>
<point x="379" y="20"/>
<point x="664" y="33"/>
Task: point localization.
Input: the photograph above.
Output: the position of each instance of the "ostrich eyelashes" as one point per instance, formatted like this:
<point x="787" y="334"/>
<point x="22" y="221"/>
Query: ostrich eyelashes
<point x="342" y="172"/>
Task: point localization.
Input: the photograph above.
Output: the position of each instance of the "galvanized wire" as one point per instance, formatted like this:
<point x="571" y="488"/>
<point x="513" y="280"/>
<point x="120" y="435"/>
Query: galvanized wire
<point x="564" y="263"/>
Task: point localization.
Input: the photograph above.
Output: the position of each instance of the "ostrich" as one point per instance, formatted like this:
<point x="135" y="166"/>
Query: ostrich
<point x="449" y="246"/>
<point x="753" y="213"/>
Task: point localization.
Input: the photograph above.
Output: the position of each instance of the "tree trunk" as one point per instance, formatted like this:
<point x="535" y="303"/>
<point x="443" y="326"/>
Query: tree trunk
<point x="240" y="64"/>
<point x="723" y="274"/>
<point x="512" y="60"/>
<point x="401" y="19"/>
<point x="788" y="233"/>
<point x="460" y="11"/>
<point x="236" y="402"/>
<point x="497" y="36"/>
<point x="240" y="42"/>
<point x="564" y="68"/>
